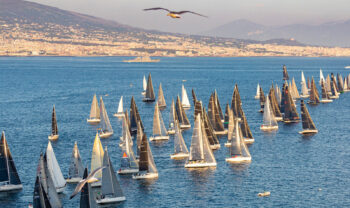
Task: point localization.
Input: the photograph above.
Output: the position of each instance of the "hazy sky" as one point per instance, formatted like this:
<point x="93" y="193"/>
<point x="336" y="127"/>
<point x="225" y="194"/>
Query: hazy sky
<point x="267" y="12"/>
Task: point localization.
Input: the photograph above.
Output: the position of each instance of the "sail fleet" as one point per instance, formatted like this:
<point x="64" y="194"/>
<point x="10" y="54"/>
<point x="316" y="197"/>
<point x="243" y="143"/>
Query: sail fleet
<point x="137" y="160"/>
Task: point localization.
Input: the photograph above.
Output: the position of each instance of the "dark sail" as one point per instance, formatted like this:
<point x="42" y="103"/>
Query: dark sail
<point x="213" y="115"/>
<point x="340" y="83"/>
<point x="283" y="101"/>
<point x="285" y="73"/>
<point x="305" y="116"/>
<point x="324" y="92"/>
<point x="149" y="97"/>
<point x="8" y="171"/>
<point x="143" y="161"/>
<point x="273" y="102"/>
<point x="194" y="97"/>
<point x="218" y="106"/>
<point x="40" y="199"/>
<point x="246" y="132"/>
<point x="314" y="97"/>
<point x="212" y="138"/>
<point x="54" y="130"/>
<point x="134" y="117"/>
<point x="236" y="102"/>
<point x="262" y="100"/>
<point x="181" y="115"/>
<point x="334" y="81"/>
<point x="290" y="112"/>
<point x="226" y="116"/>
<point x="110" y="185"/>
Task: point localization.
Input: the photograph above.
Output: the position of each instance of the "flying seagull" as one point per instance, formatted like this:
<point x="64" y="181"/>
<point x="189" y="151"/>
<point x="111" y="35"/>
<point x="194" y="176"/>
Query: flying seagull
<point x="173" y="14"/>
<point x="89" y="179"/>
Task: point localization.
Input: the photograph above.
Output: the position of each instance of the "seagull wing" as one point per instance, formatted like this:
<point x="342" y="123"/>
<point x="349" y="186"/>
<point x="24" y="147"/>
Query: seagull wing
<point x="157" y="8"/>
<point x="93" y="173"/>
<point x="182" y="12"/>
<point x="78" y="188"/>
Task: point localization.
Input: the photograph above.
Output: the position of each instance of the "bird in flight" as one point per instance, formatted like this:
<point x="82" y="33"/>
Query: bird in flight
<point x="89" y="179"/>
<point x="174" y="14"/>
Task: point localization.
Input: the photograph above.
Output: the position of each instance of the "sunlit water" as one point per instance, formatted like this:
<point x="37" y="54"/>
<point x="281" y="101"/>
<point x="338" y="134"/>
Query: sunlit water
<point x="298" y="171"/>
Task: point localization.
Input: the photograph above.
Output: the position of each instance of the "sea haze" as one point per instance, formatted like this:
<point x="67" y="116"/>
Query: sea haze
<point x="298" y="171"/>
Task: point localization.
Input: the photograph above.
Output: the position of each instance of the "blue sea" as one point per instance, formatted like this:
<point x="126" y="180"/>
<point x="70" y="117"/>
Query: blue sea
<point x="299" y="171"/>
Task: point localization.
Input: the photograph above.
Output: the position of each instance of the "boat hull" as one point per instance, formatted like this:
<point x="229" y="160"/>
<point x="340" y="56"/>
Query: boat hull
<point x="109" y="200"/>
<point x="119" y="115"/>
<point x="93" y="121"/>
<point x="238" y="159"/>
<point x="103" y="135"/>
<point x="60" y="189"/>
<point x="159" y="138"/>
<point x="10" y="187"/>
<point x="257" y="97"/>
<point x="73" y="180"/>
<point x="171" y="131"/>
<point x="145" y="176"/>
<point x="186" y="106"/>
<point x="279" y="118"/>
<point x="127" y="171"/>
<point x="268" y="128"/>
<point x="96" y="184"/>
<point x="221" y="132"/>
<point x="179" y="156"/>
<point x="309" y="131"/>
<point x="148" y="100"/>
<point x="185" y="126"/>
<point x="249" y="140"/>
<point x="334" y="97"/>
<point x="200" y="165"/>
<point x="215" y="146"/>
<point x="304" y="96"/>
<point x="143" y="93"/>
<point x="228" y="144"/>
<point x="326" y="101"/>
<point x="53" y="137"/>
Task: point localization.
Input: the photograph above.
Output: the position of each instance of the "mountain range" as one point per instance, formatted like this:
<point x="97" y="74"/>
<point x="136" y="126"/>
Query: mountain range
<point x="326" y="34"/>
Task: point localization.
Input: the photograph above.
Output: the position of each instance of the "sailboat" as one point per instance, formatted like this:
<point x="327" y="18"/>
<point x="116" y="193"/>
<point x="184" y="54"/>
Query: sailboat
<point x="172" y="119"/>
<point x="295" y="90"/>
<point x="94" y="112"/>
<point x="149" y="96"/>
<point x="346" y="88"/>
<point x="218" y="106"/>
<point x="184" y="98"/>
<point x="274" y="104"/>
<point x="340" y="83"/>
<point x="144" y="84"/>
<point x="129" y="164"/>
<point x="321" y="77"/>
<point x="125" y="133"/>
<point x="134" y="117"/>
<point x="200" y="153"/>
<point x="231" y="126"/>
<point x="262" y="100"/>
<point x="9" y="179"/>
<point x="180" y="149"/>
<point x="269" y="122"/>
<point x="325" y="97"/>
<point x="120" y="112"/>
<point x="257" y="96"/>
<point x="147" y="167"/>
<point x="106" y="127"/>
<point x="97" y="159"/>
<point x="290" y="112"/>
<point x="159" y="130"/>
<point x="334" y="91"/>
<point x="314" y="97"/>
<point x="54" y="130"/>
<point x="54" y="169"/>
<point x="48" y="188"/>
<point x="161" y="99"/>
<point x="76" y="169"/>
<point x="239" y="152"/>
<point x="308" y="125"/>
<point x="181" y="115"/>
<point x="214" y="117"/>
<point x="111" y="191"/>
<point x="87" y="199"/>
<point x="304" y="90"/>
<point x="285" y="73"/>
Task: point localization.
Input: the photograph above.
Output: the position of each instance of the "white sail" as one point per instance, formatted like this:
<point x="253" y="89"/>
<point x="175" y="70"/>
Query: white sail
<point x="144" y="83"/>
<point x="151" y="164"/>
<point x="97" y="156"/>
<point x="54" y="169"/>
<point x="161" y="99"/>
<point x="304" y="90"/>
<point x="105" y="123"/>
<point x="257" y="96"/>
<point x="120" y="106"/>
<point x="207" y="151"/>
<point x="231" y="125"/>
<point x="295" y="89"/>
<point x="172" y="117"/>
<point x="196" y="149"/>
<point x="302" y="77"/>
<point x="130" y="153"/>
<point x="126" y="133"/>
<point x="269" y="118"/>
<point x="179" y="143"/>
<point x="95" y="110"/>
<point x="321" y="76"/>
<point x="238" y="146"/>
<point x="184" y="99"/>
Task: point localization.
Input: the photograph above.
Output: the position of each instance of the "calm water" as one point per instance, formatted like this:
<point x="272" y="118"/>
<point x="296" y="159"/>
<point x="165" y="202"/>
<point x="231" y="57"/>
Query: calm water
<point x="292" y="167"/>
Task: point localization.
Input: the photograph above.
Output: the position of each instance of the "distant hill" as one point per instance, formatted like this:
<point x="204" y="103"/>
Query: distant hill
<point x="327" y="34"/>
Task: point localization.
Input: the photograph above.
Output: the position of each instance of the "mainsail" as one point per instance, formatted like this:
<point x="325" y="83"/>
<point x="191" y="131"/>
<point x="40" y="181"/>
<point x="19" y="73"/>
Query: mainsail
<point x="158" y="124"/>
<point x="314" y="97"/>
<point x="120" y="106"/>
<point x="105" y="123"/>
<point x="40" y="197"/>
<point x="161" y="99"/>
<point x="184" y="98"/>
<point x="76" y="169"/>
<point x="144" y="83"/>
<point x="262" y="100"/>
<point x="194" y="97"/>
<point x="181" y="115"/>
<point x="54" y="130"/>
<point x="302" y="77"/>
<point x="95" y="110"/>
<point x="150" y="96"/>
<point x="238" y="146"/>
<point x="285" y="73"/>
<point x="54" y="168"/>
<point x="218" y="106"/>
<point x="257" y="95"/>
<point x="290" y="112"/>
<point x="134" y="117"/>
<point x="213" y="114"/>
<point x="321" y="77"/>
<point x="269" y="119"/>
<point x="295" y="90"/>
<point x="146" y="162"/>
<point x="179" y="143"/>
<point x="231" y="125"/>
<point x="274" y="103"/>
<point x="97" y="156"/>
<point x="172" y="116"/>
<point x="308" y="123"/>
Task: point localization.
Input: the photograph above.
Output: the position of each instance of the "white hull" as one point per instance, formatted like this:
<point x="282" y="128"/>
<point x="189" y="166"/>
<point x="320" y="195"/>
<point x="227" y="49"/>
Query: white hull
<point x="309" y="131"/>
<point x="257" y="97"/>
<point x="143" y="93"/>
<point x="215" y="146"/>
<point x="238" y="159"/>
<point x="171" y="131"/>
<point x="304" y="96"/>
<point x="268" y="128"/>
<point x="104" y="135"/>
<point x="145" y="176"/>
<point x="60" y="189"/>
<point x="334" y="97"/>
<point x="199" y="165"/>
<point x="249" y="141"/>
<point x="119" y="115"/>
<point x="228" y="144"/>
<point x="221" y="132"/>
<point x="159" y="138"/>
<point x="186" y="106"/>
<point x="179" y="156"/>
<point x="127" y="171"/>
<point x="96" y="184"/>
<point x="53" y="137"/>
<point x="10" y="187"/>
<point x="279" y="118"/>
<point x="326" y="101"/>
<point x="183" y="126"/>
<point x="110" y="200"/>
<point x="73" y="180"/>
<point x="94" y="121"/>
